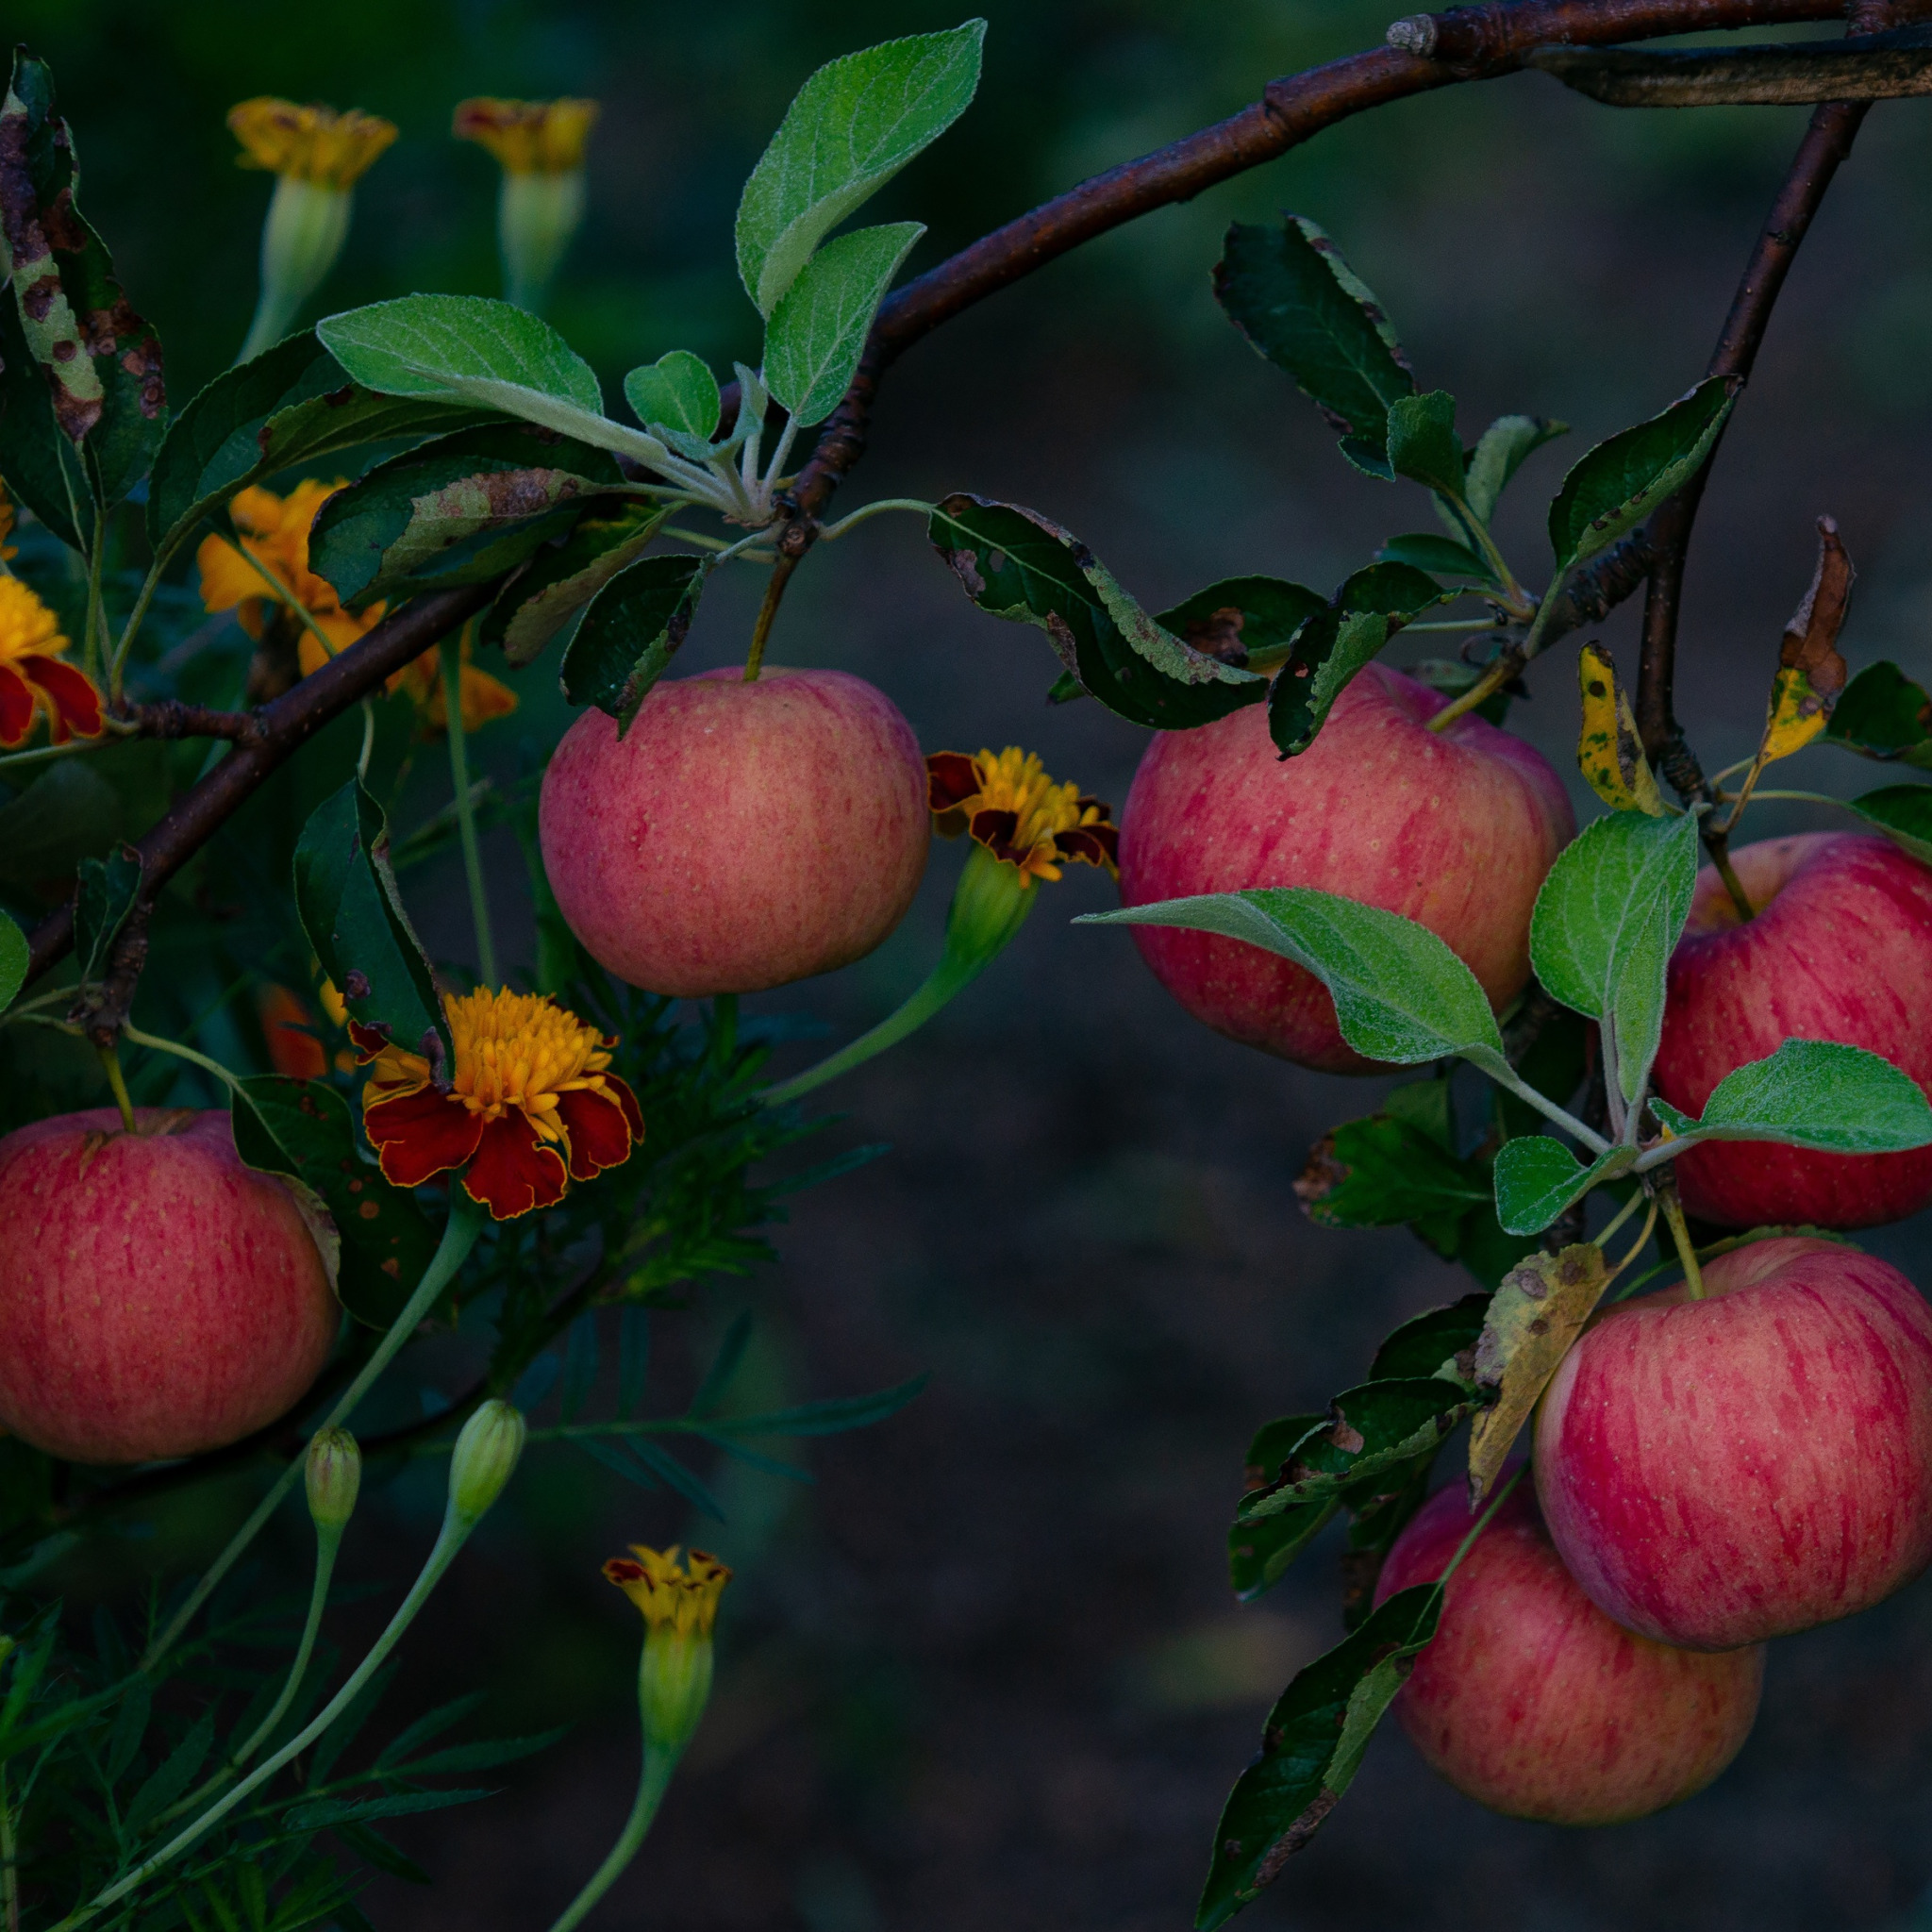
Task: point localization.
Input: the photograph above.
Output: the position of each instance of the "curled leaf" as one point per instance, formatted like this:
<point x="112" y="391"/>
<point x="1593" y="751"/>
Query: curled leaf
<point x="1609" y="752"/>
<point x="1811" y="673"/>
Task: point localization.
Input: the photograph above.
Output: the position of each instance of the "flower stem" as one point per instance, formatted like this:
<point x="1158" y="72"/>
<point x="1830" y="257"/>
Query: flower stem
<point x="459" y="1234"/>
<point x="653" y="1783"/>
<point x="951" y="976"/>
<point x="117" y="1083"/>
<point x="452" y="650"/>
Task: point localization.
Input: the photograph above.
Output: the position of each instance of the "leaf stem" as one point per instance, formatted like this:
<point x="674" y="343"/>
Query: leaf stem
<point x="136" y="1037"/>
<point x="831" y="532"/>
<point x="1680" y="1234"/>
<point x="368" y="738"/>
<point x="285" y="596"/>
<point x="1548" y="1108"/>
<point x="1637" y="1246"/>
<point x="452" y="652"/>
<point x="150" y="583"/>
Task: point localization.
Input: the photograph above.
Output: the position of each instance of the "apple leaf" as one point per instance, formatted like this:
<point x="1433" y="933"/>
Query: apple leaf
<point x="1422" y="442"/>
<point x="351" y="909"/>
<point x="1606" y="922"/>
<point x="817" y="332"/>
<point x="1247" y="622"/>
<point x="1883" y="714"/>
<point x="679" y="394"/>
<point x="15" y="958"/>
<point x="849" y="129"/>
<point x="631" y="633"/>
<point x="1814" y="1094"/>
<point x="1499" y="454"/>
<point x="1537" y="1310"/>
<point x="1442" y="557"/>
<point x="437" y="346"/>
<point x="1536" y="1177"/>
<point x="104" y="895"/>
<point x="1400" y="994"/>
<point x="1300" y="304"/>
<point x="1261" y="1550"/>
<point x="560" y="578"/>
<point x="42" y="470"/>
<point x="1436" y="1342"/>
<point x="1613" y="487"/>
<point x="1015" y="564"/>
<point x="1902" y="813"/>
<point x="1380" y="1171"/>
<point x="1312" y="1746"/>
<point x="302" y="1129"/>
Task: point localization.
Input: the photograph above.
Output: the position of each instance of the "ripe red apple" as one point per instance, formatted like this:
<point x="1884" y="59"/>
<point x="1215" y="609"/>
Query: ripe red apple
<point x="739" y="836"/>
<point x="1721" y="1470"/>
<point x="1455" y="829"/>
<point x="1533" y="1701"/>
<point x="1841" y="949"/>
<point x="158" y="1298"/>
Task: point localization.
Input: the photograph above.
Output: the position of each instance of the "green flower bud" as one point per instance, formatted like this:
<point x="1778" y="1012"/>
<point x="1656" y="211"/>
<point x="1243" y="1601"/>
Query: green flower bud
<point x="679" y="1602"/>
<point x="486" y="1456"/>
<point x="541" y="145"/>
<point x="334" y="1477"/>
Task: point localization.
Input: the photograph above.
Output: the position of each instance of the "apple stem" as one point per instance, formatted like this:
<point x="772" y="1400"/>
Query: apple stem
<point x="117" y="1083"/>
<point x="774" y="591"/>
<point x="1673" y="1215"/>
<point x="452" y="650"/>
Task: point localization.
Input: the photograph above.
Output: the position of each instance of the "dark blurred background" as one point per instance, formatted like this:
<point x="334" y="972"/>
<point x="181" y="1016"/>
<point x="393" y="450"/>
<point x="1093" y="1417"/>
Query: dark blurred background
<point x="986" y="1671"/>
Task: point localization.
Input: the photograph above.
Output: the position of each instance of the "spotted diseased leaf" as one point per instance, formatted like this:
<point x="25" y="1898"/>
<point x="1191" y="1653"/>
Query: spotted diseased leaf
<point x="1300" y="304"/>
<point x="1811" y="673"/>
<point x="1311" y="1747"/>
<point x="1247" y="622"/>
<point x="1380" y="1171"/>
<point x="561" y="577"/>
<point x="1499" y="454"/>
<point x="301" y="1129"/>
<point x="101" y="362"/>
<point x="104" y="895"/>
<point x="1536" y="1313"/>
<point x="631" y="633"/>
<point x="42" y="468"/>
<point x="1883" y="714"/>
<point x="1609" y="754"/>
<point x="1335" y="643"/>
<point x="1013" y="564"/>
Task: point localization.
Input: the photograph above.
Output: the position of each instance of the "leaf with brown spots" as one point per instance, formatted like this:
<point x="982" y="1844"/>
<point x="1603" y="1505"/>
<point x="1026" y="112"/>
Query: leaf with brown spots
<point x="1811" y="672"/>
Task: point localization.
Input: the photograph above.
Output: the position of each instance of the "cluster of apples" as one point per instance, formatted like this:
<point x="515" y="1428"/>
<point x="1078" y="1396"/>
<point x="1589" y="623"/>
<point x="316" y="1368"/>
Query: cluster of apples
<point x="1708" y="1473"/>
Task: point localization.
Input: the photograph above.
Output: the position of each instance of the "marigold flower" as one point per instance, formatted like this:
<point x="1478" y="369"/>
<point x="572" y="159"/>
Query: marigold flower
<point x="32" y="677"/>
<point x="309" y="143"/>
<point x="528" y="137"/>
<point x="483" y="697"/>
<point x="1010" y="807"/>
<point x="8" y="551"/>
<point x="673" y="1593"/>
<point x="680" y="1605"/>
<point x="527" y="1108"/>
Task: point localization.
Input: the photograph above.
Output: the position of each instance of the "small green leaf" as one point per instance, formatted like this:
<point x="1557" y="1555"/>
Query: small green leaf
<point x="631" y="631"/>
<point x="68" y="812"/>
<point x="560" y="578"/>
<point x="1429" y="1344"/>
<point x="849" y="129"/>
<point x="1819" y="1094"/>
<point x="1619" y="483"/>
<point x="1423" y="443"/>
<point x="1498" y="456"/>
<point x="1400" y="994"/>
<point x="1441" y="557"/>
<point x="15" y="958"/>
<point x="818" y="330"/>
<point x="676" y="392"/>
<point x="440" y="345"/>
<point x="1536" y="1177"/>
<point x="1015" y="564"/>
<point x="1902" y="813"/>
<point x="1247" y="622"/>
<point x="1883" y="714"/>
<point x="1311" y="1747"/>
<point x="1377" y="1173"/>
<point x="102" y="898"/>
<point x="1299" y="303"/>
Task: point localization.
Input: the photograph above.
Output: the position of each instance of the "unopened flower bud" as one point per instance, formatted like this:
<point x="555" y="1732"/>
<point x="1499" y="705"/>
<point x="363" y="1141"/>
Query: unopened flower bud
<point x="486" y="1456"/>
<point x="334" y="1476"/>
<point x="679" y="1602"/>
<point x="541" y="145"/>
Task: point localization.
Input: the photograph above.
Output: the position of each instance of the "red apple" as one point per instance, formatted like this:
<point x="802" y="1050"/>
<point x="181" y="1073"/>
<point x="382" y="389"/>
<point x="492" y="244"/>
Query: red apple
<point x="1533" y="1701"/>
<point x="1841" y="949"/>
<point x="1455" y="829"/>
<point x="739" y="836"/>
<point x="1721" y="1470"/>
<point x="158" y="1298"/>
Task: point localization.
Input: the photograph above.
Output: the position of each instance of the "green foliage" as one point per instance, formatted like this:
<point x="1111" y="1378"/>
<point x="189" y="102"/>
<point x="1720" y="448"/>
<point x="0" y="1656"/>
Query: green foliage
<point x="1499" y="453"/>
<point x="631" y="633"/>
<point x="15" y="959"/>
<point x="676" y="398"/>
<point x="1902" y="813"/>
<point x="562" y="577"/>
<point x="1814" y="1094"/>
<point x="1442" y="557"/>
<point x="1882" y="714"/>
<point x="102" y="898"/>
<point x="1538" y="1177"/>
<point x="1422" y="442"/>
<point x="818" y="329"/>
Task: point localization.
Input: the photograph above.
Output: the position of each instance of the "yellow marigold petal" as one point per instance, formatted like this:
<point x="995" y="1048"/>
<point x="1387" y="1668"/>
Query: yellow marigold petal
<point x="311" y="142"/>
<point x="528" y="137"/>
<point x="27" y="627"/>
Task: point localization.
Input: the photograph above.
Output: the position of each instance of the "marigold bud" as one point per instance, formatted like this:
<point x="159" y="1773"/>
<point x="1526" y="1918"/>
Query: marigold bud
<point x="680" y="1600"/>
<point x="334" y="1476"/>
<point x="486" y="1456"/>
<point x="541" y="145"/>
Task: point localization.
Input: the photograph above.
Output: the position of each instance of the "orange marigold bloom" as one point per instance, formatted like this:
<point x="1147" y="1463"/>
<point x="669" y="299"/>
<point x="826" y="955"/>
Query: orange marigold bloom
<point x="311" y="142"/>
<point x="32" y="677"/>
<point x="8" y="551"/>
<point x="528" y="137"/>
<point x="527" y="1108"/>
<point x="483" y="697"/>
<point x="1010" y="806"/>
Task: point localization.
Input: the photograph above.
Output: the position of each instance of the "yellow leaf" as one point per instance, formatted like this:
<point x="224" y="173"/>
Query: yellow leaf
<point x="1536" y="1313"/>
<point x="1798" y="714"/>
<point x="1609" y="752"/>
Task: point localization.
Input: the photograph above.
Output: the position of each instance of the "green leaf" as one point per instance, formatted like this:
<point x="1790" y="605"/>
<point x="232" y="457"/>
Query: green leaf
<point x="1015" y="564"/>
<point x="69" y="811"/>
<point x="1260" y="1550"/>
<point x="1311" y="1747"/>
<point x="818" y="330"/>
<point x="831" y="1416"/>
<point x="1619" y="483"/>
<point x="303" y="1128"/>
<point x="1400" y="994"/>
<point x="353" y="913"/>
<point x="1536" y="1177"/>
<point x="1819" y="1094"/>
<point x="15" y="958"/>
<point x="373" y="1849"/>
<point x="1299" y="303"/>
<point x="560" y="578"/>
<point x="443" y="345"/>
<point x="1606" y="921"/>
<point x="849" y="129"/>
<point x="41" y="466"/>
<point x="631" y="631"/>
<point x="459" y="510"/>
<point x="1883" y="714"/>
<point x="102" y="898"/>
<point x="320" y="1814"/>
<point x="291" y="404"/>
<point x="1380" y="1172"/>
<point x="1499" y="454"/>
<point x="1442" y="557"/>
<point x="1430" y="1344"/>
<point x="1902" y="813"/>
<point x="101" y="362"/>
<point x="1422" y="442"/>
<point x="1369" y="608"/>
<point x="169" y="1780"/>
<point x="676" y="392"/>
<point x="1247" y="622"/>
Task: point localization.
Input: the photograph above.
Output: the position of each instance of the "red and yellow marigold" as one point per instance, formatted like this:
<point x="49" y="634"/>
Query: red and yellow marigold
<point x="528" y="137"/>
<point x="528" y="1107"/>
<point x="309" y="143"/>
<point x="33" y="679"/>
<point x="1009" y="805"/>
